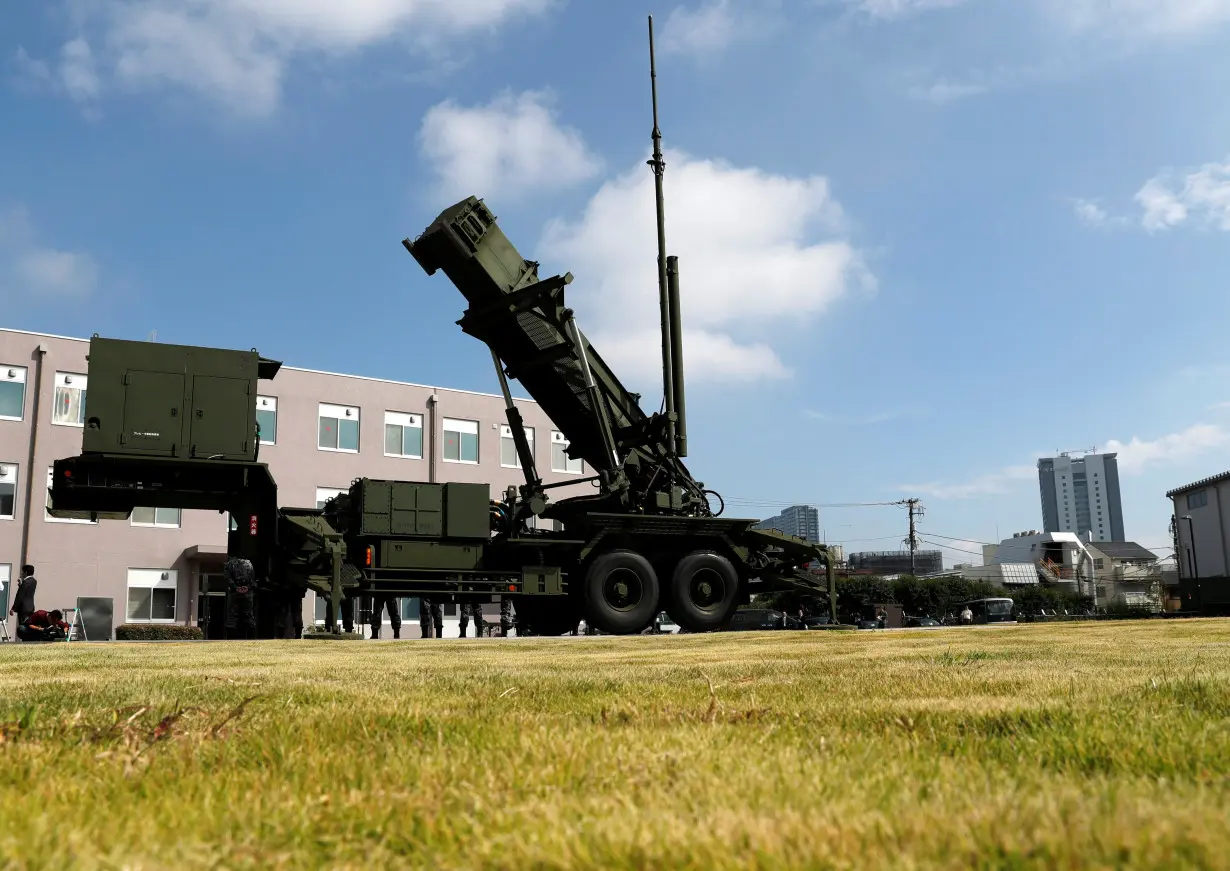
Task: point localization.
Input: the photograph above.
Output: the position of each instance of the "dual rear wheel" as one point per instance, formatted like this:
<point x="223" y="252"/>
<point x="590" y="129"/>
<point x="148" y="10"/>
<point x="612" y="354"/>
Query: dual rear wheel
<point x="621" y="593"/>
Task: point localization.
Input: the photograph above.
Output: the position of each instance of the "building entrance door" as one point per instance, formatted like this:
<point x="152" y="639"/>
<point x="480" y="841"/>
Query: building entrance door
<point x="211" y="606"/>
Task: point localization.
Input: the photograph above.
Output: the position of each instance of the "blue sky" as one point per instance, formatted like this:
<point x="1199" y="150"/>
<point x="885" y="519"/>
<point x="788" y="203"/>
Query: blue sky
<point x="921" y="242"/>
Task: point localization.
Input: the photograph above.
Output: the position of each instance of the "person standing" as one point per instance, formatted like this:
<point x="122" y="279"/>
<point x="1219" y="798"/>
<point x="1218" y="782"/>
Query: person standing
<point x="23" y="598"/>
<point x="506" y="617"/>
<point x="393" y="606"/>
<point x="475" y="610"/>
<point x="431" y="612"/>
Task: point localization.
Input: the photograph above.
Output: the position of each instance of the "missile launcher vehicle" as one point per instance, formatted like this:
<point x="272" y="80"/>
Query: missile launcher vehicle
<point x="175" y="426"/>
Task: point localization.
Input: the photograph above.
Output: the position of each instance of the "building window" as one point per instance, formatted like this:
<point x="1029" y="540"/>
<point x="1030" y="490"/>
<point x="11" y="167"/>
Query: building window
<point x="460" y="441"/>
<point x="12" y="392"/>
<point x="324" y="494"/>
<point x="8" y="490"/>
<point x="166" y="518"/>
<point x="151" y="595"/>
<point x="1097" y="563"/>
<point x="6" y="578"/>
<point x="560" y="461"/>
<point x="1199" y="499"/>
<point x="403" y="435"/>
<point x="267" y="419"/>
<point x="339" y="428"/>
<point x="47" y="506"/>
<point x="508" y="447"/>
<point x="69" y="408"/>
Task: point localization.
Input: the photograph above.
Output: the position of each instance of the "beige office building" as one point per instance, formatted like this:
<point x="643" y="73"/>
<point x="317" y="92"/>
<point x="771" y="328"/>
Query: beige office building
<point x="319" y="432"/>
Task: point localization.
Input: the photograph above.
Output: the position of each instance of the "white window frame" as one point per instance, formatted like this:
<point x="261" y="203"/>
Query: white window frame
<point x="11" y="471"/>
<point x="557" y="438"/>
<point x="46" y="502"/>
<point x="461" y="426"/>
<point x="329" y="492"/>
<point x="506" y="433"/>
<point x="147" y="581"/>
<point x="405" y="420"/>
<point x="132" y="518"/>
<point x="15" y="374"/>
<point x="6" y="589"/>
<point x="69" y="381"/>
<point x="338" y="413"/>
<point x="270" y="403"/>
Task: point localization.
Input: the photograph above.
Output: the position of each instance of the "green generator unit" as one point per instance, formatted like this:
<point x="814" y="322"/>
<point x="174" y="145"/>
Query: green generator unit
<point x="155" y="400"/>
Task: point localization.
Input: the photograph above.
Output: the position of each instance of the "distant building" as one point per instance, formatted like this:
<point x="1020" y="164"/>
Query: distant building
<point x="896" y="562"/>
<point x="1201" y="529"/>
<point x="802" y="521"/>
<point x="1127" y="573"/>
<point x="1081" y="495"/>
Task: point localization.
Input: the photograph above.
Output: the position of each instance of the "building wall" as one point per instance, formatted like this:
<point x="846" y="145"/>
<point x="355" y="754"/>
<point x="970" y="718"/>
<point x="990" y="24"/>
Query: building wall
<point x="1209" y="508"/>
<point x="77" y="558"/>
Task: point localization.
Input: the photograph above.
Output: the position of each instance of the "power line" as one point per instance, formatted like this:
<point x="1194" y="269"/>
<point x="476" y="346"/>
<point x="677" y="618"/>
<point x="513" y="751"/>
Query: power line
<point x="950" y="547"/>
<point x="779" y="503"/>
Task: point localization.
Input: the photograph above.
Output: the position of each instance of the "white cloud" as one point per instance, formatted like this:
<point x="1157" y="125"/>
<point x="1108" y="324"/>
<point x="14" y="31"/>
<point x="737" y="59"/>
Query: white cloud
<point x="511" y="145"/>
<point x="893" y="9"/>
<point x="237" y="51"/>
<point x="942" y="91"/>
<point x="983" y="485"/>
<point x="706" y="29"/>
<point x="77" y="70"/>
<point x="1202" y="195"/>
<point x="1090" y="213"/>
<point x="1134" y="457"/>
<point x="758" y="253"/>
<point x="29" y="269"/>
<point x="1140" y="19"/>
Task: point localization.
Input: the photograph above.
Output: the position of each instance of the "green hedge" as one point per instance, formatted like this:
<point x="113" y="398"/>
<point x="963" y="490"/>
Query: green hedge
<point x="158" y="632"/>
<point x="922" y="596"/>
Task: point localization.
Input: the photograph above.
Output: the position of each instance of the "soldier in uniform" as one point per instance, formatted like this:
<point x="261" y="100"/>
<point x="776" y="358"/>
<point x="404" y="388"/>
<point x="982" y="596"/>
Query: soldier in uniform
<point x="429" y="612"/>
<point x="506" y="615"/>
<point x="393" y="606"/>
<point x="240" y="607"/>
<point x="475" y="610"/>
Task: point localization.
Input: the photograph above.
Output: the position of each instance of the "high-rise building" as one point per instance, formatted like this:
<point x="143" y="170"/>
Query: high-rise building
<point x="800" y="520"/>
<point x="1081" y="495"/>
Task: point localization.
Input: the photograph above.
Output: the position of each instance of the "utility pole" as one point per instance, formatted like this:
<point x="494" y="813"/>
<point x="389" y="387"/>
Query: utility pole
<point x="915" y="508"/>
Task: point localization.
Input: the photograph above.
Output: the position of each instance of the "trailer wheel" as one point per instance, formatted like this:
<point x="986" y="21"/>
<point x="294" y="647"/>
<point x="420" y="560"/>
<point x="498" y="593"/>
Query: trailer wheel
<point x="620" y="593"/>
<point x="703" y="592"/>
<point x="546" y="615"/>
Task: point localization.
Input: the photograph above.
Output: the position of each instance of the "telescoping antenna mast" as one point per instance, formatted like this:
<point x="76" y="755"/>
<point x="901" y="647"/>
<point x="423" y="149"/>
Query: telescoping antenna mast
<point x="668" y="292"/>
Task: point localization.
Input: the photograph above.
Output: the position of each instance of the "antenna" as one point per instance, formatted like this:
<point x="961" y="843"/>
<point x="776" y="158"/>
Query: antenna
<point x="668" y="291"/>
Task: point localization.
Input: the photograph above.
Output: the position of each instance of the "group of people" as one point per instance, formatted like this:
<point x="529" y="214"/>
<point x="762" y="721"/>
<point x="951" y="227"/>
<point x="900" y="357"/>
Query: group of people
<point x="431" y="617"/>
<point x="33" y="624"/>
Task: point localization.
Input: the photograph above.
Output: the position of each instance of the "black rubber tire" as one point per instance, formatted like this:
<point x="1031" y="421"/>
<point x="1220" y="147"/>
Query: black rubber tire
<point x="703" y="592"/>
<point x="616" y="612"/>
<point x="546" y="615"/>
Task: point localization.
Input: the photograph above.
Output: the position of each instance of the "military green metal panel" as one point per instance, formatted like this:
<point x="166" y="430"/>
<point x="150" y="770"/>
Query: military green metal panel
<point x="400" y="508"/>
<point x="428" y="555"/>
<point x="151" y="399"/>
<point x="374" y="509"/>
<point x="152" y="424"/>
<point x="467" y="510"/>
<point x="220" y="407"/>
<point x="418" y="509"/>
<point x="542" y="580"/>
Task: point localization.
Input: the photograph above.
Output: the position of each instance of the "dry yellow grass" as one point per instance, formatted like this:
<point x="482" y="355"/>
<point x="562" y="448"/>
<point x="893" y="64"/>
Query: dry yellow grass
<point x="1081" y="745"/>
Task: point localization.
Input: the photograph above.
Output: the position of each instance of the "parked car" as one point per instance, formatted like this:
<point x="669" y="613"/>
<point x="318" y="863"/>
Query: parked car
<point x="922" y="622"/>
<point x="757" y="620"/>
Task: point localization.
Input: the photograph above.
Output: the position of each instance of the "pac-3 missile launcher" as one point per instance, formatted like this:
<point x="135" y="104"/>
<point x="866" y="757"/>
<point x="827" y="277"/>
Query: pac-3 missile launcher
<point x="175" y="426"/>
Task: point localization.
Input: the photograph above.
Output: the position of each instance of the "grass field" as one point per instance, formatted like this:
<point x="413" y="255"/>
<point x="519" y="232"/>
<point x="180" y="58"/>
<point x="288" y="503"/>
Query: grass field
<point x="1053" y="746"/>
